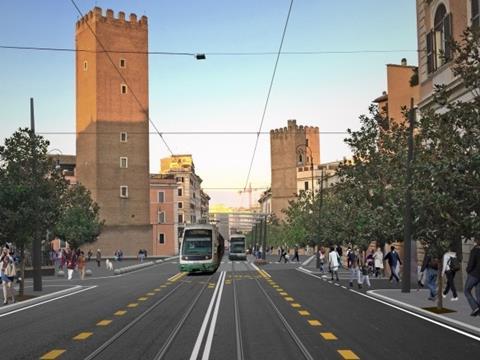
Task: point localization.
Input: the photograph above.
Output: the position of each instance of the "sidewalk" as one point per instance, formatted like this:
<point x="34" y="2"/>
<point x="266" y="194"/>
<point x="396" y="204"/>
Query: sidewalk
<point x="416" y="301"/>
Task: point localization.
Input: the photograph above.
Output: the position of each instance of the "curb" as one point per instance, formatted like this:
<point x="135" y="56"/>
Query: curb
<point x="22" y="304"/>
<point x="443" y="319"/>
<point x="146" y="264"/>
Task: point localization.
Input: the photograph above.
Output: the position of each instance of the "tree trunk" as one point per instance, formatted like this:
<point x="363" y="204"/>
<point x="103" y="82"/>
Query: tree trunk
<point x="21" y="289"/>
<point x="440" y="286"/>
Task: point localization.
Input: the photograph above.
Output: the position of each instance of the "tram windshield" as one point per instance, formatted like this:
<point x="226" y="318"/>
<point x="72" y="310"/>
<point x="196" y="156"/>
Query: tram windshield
<point x="197" y="242"/>
<point x="237" y="246"/>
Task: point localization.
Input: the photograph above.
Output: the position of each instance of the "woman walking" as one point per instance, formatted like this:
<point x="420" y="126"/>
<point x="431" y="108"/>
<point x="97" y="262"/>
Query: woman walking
<point x="449" y="269"/>
<point x="378" y="259"/>
<point x="81" y="264"/>
<point x="71" y="263"/>
<point x="333" y="262"/>
<point x="7" y="273"/>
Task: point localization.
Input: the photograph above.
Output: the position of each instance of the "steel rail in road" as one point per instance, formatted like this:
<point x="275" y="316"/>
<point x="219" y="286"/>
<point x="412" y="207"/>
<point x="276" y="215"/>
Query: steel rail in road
<point x="119" y="334"/>
<point x="162" y="352"/>
<point x="238" y="329"/>
<point x="306" y="354"/>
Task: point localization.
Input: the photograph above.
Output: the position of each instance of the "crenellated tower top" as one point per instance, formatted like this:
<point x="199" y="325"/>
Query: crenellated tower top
<point x="96" y="15"/>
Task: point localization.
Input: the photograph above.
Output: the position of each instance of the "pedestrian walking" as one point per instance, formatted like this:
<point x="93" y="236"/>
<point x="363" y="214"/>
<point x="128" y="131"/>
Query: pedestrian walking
<point x="353" y="266"/>
<point x="364" y="273"/>
<point x="282" y="255"/>
<point x="430" y="268"/>
<point x="81" y="264"/>
<point x="321" y="259"/>
<point x="333" y="262"/>
<point x="89" y="255"/>
<point x="378" y="262"/>
<point x="450" y="267"/>
<point x="7" y="274"/>
<point x="394" y="261"/>
<point x="295" y="254"/>
<point x="98" y="257"/>
<point x="473" y="279"/>
<point x="71" y="263"/>
<point x="141" y="255"/>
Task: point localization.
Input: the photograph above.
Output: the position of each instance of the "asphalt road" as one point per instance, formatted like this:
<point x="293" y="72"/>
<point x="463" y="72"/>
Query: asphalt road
<point x="237" y="313"/>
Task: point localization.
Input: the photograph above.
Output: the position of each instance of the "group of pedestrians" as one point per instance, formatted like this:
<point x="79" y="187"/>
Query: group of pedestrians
<point x="286" y="257"/>
<point x="71" y="260"/>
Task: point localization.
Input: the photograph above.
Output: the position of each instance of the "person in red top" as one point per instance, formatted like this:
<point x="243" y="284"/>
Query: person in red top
<point x="71" y="263"/>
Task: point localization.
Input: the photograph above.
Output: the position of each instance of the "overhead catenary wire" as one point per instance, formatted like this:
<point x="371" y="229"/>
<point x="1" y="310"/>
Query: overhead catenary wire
<point x="268" y="94"/>
<point x="178" y="132"/>
<point x="122" y="77"/>
<point x="217" y="53"/>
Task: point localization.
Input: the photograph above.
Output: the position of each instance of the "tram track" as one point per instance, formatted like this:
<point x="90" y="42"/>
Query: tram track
<point x="165" y="347"/>
<point x="296" y="339"/>
<point x="238" y="329"/>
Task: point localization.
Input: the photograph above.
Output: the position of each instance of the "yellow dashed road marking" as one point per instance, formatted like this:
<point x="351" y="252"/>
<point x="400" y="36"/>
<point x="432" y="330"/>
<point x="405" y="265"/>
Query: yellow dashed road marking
<point x="283" y="294"/>
<point x="304" y="313"/>
<point x="120" y="313"/>
<point x="328" y="336"/>
<point x="143" y="298"/>
<point x="104" y="323"/>
<point x="51" y="355"/>
<point x="132" y="305"/>
<point x="275" y="286"/>
<point x="280" y="290"/>
<point x="289" y="298"/>
<point x="83" y="336"/>
<point x="314" y="323"/>
<point x="348" y="355"/>
<point x="163" y="286"/>
<point x="156" y="290"/>
<point x="295" y="305"/>
<point x="150" y="294"/>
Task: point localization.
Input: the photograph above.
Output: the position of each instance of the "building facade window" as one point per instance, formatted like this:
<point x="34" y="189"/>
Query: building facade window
<point x="124" y="162"/>
<point x="161" y="197"/>
<point x="306" y="185"/>
<point x="180" y="192"/>
<point x="124" y="191"/>
<point x="180" y="218"/>
<point x="123" y="137"/>
<point x="161" y="217"/>
<point x="85" y="65"/>
<point x="439" y="48"/>
<point x="123" y="63"/>
<point x="161" y="238"/>
<point x="475" y="11"/>
<point x="123" y="89"/>
<point x="180" y="205"/>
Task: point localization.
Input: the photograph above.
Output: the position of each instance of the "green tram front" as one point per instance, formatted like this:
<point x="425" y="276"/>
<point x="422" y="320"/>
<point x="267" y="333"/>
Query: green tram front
<point x="237" y="248"/>
<point x="202" y="248"/>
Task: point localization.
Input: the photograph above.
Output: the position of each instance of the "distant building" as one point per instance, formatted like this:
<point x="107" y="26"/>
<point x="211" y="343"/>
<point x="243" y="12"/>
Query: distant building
<point x="290" y="147"/>
<point x="265" y="201"/>
<point x="326" y="173"/>
<point x="192" y="206"/>
<point x="400" y="79"/>
<point x="64" y="164"/>
<point x="112" y="126"/>
<point x="163" y="214"/>
<point x="438" y="22"/>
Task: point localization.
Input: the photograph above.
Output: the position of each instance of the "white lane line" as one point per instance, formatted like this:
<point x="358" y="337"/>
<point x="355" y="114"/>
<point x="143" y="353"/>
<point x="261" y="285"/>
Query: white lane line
<point x="344" y="287"/>
<point x="306" y="262"/>
<point x="303" y="269"/>
<point x="213" y="323"/>
<point x="47" y="301"/>
<point x="201" y="334"/>
<point x="410" y="312"/>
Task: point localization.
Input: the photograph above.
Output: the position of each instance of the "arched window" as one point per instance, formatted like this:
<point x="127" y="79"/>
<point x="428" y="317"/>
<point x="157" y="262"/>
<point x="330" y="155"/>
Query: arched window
<point x="300" y="159"/>
<point x="438" y="40"/>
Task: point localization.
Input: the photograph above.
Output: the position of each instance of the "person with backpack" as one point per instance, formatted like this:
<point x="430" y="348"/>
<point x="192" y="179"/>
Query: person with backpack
<point x="450" y="266"/>
<point x="473" y="279"/>
<point x="353" y="265"/>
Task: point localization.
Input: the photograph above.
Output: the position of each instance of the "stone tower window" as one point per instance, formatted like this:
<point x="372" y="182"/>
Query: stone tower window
<point x="123" y="89"/>
<point x="300" y="159"/>
<point x="124" y="162"/>
<point x="123" y="137"/>
<point x="124" y="191"/>
<point x="85" y="65"/>
<point x="123" y="63"/>
<point x="161" y="238"/>
<point x="161" y="217"/>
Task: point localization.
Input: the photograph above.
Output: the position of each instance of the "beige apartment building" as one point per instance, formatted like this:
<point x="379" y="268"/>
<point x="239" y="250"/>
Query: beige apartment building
<point x="192" y="202"/>
<point x="439" y="21"/>
<point x="112" y="126"/>
<point x="290" y="147"/>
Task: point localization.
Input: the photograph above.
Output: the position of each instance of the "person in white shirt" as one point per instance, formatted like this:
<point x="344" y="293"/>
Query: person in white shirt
<point x="333" y="262"/>
<point x="378" y="260"/>
<point x="449" y="273"/>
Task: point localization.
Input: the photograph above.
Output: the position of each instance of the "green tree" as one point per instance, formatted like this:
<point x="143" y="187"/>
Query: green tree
<point x="79" y="223"/>
<point x="30" y="194"/>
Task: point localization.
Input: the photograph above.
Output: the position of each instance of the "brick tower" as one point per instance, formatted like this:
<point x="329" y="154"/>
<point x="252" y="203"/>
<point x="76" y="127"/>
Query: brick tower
<point x="112" y="126"/>
<point x="287" y="151"/>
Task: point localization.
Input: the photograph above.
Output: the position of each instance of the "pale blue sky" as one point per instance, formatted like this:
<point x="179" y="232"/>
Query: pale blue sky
<point x="223" y="92"/>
